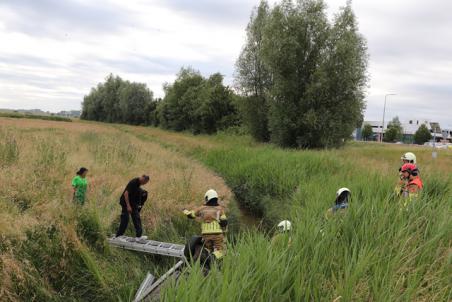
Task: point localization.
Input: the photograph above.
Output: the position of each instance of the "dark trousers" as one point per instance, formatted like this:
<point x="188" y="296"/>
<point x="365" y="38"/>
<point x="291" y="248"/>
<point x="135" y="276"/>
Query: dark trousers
<point x="125" y="221"/>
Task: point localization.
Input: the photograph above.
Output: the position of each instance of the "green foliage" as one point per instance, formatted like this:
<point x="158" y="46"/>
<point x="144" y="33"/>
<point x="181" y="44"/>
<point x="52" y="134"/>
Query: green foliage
<point x="197" y="104"/>
<point x="367" y="132"/>
<point x="377" y="250"/>
<point x="253" y="78"/>
<point x="394" y="132"/>
<point x="90" y="230"/>
<point x="422" y="135"/>
<point x="315" y="97"/>
<point x="65" y="267"/>
<point x="37" y="117"/>
<point x="119" y="101"/>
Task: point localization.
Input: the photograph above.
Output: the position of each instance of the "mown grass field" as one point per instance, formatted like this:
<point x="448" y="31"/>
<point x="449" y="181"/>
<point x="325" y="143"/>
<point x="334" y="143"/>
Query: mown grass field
<point x="376" y="251"/>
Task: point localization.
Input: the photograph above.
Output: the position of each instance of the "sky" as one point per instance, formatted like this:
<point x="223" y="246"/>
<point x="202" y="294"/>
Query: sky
<point x="53" y="51"/>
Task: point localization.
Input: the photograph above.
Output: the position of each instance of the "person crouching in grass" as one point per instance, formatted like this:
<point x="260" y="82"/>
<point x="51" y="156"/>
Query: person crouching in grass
<point x="79" y="186"/>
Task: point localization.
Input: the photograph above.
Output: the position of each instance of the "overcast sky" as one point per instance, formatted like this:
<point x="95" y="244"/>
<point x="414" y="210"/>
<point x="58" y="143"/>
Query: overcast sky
<point x="53" y="51"/>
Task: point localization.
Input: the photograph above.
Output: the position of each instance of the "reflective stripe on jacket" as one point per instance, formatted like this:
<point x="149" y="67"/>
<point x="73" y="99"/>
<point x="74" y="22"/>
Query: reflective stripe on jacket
<point x="210" y="217"/>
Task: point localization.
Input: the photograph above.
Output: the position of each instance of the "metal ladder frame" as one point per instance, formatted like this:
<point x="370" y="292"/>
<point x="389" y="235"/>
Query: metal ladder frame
<point x="152" y="247"/>
<point x="149" y="246"/>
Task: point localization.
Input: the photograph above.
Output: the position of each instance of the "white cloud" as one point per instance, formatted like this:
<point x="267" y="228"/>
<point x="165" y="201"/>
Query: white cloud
<point x="55" y="51"/>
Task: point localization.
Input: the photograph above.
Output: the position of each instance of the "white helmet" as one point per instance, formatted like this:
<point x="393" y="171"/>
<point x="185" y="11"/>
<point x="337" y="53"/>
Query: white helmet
<point x="210" y="194"/>
<point x="285" y="225"/>
<point x="410" y="157"/>
<point x="342" y="190"/>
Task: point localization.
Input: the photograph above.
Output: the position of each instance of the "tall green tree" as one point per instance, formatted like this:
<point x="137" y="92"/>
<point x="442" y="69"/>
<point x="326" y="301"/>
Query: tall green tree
<point x="316" y="73"/>
<point x="337" y="90"/>
<point x="135" y="103"/>
<point x="367" y="132"/>
<point x="422" y="135"/>
<point x="394" y="132"/>
<point x="181" y="100"/>
<point x="197" y="104"/>
<point x="294" y="39"/>
<point x="252" y="76"/>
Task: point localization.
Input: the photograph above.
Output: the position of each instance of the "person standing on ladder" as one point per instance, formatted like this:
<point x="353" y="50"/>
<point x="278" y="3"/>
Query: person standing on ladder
<point x="213" y="221"/>
<point x="130" y="202"/>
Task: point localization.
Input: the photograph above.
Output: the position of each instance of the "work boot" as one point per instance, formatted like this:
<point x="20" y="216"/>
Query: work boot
<point x="141" y="239"/>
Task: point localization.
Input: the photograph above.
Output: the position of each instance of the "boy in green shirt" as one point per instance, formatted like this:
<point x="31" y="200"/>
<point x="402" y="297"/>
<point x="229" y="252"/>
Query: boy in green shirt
<point x="79" y="185"/>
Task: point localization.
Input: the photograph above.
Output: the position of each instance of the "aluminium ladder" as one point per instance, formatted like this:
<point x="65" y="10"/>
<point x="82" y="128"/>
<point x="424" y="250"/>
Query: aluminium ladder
<point x="148" y="286"/>
<point x="148" y="246"/>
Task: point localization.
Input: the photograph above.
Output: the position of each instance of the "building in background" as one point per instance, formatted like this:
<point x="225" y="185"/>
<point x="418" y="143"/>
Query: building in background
<point x="409" y="129"/>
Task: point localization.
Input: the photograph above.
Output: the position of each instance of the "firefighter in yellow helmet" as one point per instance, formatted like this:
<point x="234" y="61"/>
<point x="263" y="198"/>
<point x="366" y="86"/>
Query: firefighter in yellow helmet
<point x="213" y="222"/>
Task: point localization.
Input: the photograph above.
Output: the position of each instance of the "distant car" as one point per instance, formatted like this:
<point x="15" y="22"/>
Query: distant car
<point x="399" y="143"/>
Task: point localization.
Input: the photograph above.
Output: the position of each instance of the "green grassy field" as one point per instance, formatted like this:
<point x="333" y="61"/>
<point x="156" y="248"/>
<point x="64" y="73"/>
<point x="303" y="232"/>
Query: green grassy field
<point x="376" y="251"/>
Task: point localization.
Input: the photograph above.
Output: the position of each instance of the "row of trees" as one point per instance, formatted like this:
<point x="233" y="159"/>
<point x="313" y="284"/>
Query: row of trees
<point x="394" y="132"/>
<point x="198" y="104"/>
<point x="300" y="81"/>
<point x="120" y="101"/>
<point x="303" y="76"/>
<point x="192" y="102"/>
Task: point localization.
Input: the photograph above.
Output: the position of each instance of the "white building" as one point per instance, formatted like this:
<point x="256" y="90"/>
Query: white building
<point x="409" y="129"/>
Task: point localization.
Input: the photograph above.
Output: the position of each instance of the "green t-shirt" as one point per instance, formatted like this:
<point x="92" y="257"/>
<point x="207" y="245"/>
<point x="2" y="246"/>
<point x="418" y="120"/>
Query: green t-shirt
<point x="80" y="184"/>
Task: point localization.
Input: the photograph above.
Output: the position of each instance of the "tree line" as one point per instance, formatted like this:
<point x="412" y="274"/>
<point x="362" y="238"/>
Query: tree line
<point x="192" y="103"/>
<point x="299" y="81"/>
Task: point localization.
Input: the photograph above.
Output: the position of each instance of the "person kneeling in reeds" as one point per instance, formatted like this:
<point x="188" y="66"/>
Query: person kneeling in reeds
<point x="414" y="183"/>
<point x="213" y="221"/>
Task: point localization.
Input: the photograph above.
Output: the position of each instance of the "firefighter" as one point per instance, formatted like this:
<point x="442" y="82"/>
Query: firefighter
<point x="213" y="223"/>
<point x="407" y="158"/>
<point x="343" y="197"/>
<point x="283" y="234"/>
<point x="414" y="183"/>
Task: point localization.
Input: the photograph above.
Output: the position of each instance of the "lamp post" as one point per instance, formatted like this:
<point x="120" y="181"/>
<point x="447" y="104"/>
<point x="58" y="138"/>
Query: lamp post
<point x="383" y="122"/>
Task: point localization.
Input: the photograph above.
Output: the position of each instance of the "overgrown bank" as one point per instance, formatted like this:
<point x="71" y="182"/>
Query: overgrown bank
<point x="376" y="251"/>
<point x="51" y="250"/>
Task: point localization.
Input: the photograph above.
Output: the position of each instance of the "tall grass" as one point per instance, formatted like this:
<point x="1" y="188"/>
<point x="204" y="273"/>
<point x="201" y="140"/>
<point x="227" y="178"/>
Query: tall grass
<point x="9" y="148"/>
<point x="376" y="251"/>
<point x="54" y="250"/>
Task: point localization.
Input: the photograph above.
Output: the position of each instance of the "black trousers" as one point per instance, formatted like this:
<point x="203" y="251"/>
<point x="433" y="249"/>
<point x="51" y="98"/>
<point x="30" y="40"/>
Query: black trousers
<point x="125" y="221"/>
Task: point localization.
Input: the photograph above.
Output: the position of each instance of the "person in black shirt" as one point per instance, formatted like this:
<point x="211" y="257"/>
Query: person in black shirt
<point x="131" y="202"/>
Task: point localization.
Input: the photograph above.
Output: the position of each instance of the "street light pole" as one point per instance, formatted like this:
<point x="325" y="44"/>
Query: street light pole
<point x="383" y="122"/>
